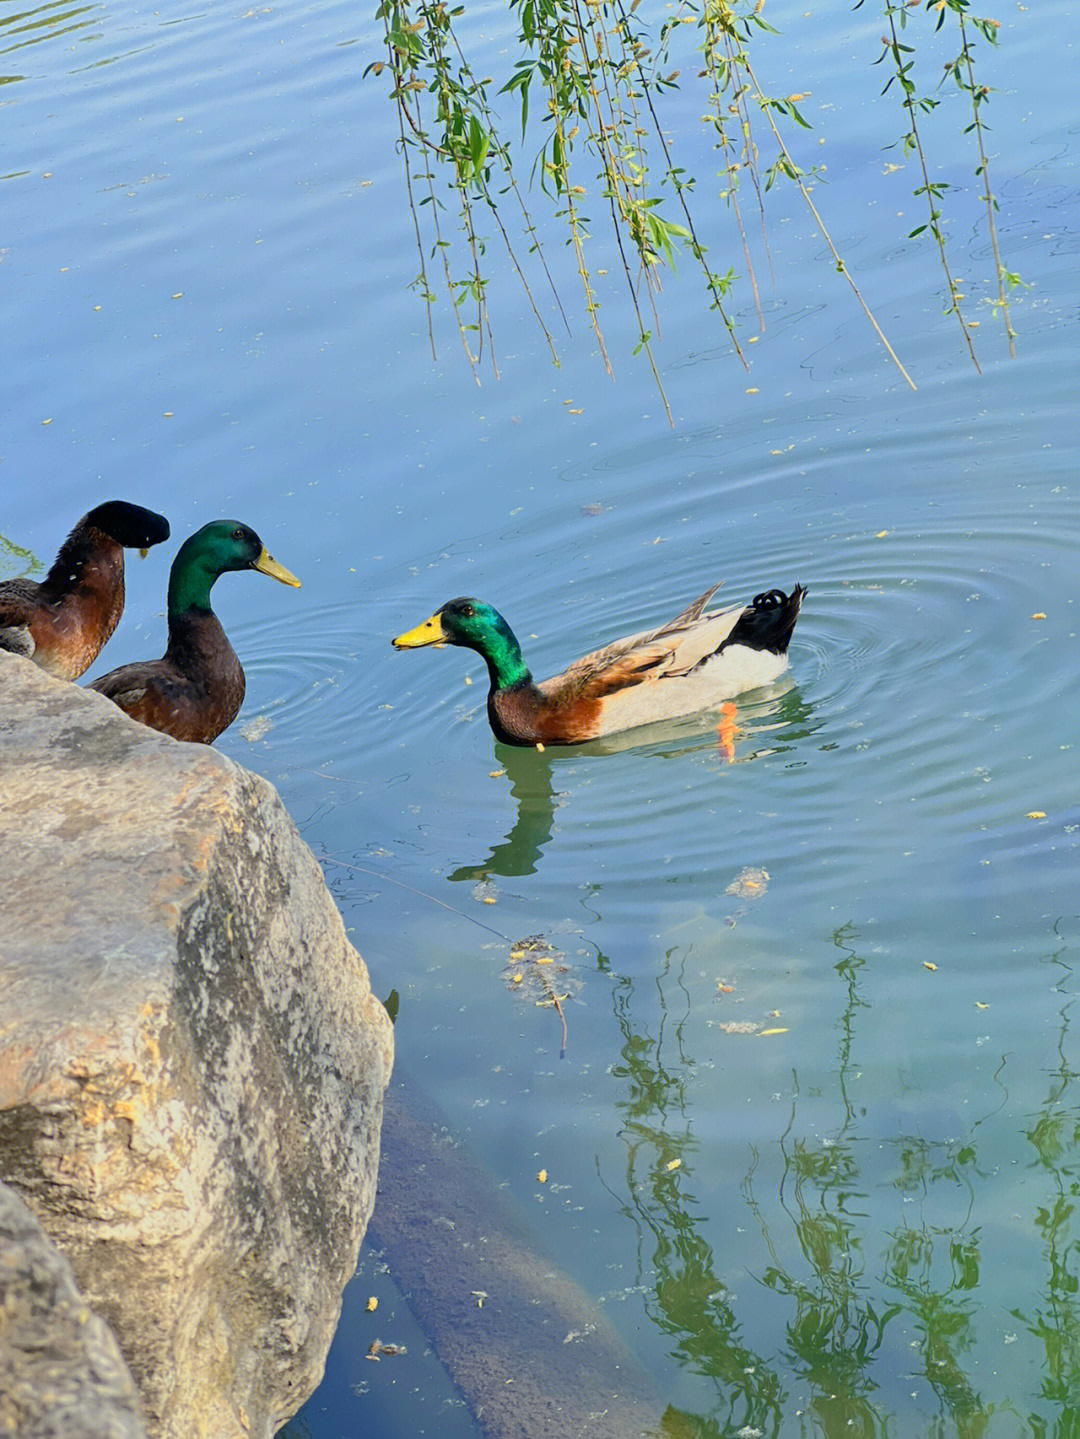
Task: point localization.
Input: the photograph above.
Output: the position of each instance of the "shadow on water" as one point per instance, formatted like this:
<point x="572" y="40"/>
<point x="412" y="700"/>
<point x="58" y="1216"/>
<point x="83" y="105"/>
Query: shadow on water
<point x="769" y="726"/>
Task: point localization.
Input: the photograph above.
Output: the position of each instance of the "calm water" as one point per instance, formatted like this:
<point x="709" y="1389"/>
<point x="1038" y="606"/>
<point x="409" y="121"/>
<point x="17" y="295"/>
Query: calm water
<point x="872" y="1229"/>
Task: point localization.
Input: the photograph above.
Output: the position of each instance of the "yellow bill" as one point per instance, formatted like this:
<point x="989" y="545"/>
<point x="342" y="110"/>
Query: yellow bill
<point x="431" y="632"/>
<point x="267" y="565"/>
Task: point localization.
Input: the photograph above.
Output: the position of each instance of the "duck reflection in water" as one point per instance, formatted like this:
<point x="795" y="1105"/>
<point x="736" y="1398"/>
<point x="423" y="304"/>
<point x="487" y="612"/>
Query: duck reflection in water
<point x="530" y="774"/>
<point x="772" y="724"/>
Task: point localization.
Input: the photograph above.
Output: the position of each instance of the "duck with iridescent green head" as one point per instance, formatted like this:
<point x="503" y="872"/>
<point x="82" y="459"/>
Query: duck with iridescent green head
<point x="693" y="663"/>
<point x="195" y="690"/>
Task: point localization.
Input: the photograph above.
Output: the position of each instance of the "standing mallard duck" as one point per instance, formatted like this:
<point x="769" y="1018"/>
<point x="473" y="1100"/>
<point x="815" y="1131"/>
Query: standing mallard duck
<point x="195" y="690"/>
<point x="62" y="621"/>
<point x="691" y="664"/>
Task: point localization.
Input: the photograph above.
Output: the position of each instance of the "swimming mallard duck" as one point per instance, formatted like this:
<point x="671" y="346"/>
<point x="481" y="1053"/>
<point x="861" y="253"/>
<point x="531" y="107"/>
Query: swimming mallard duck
<point x="62" y="621"/>
<point x="693" y="663"/>
<point x="197" y="687"/>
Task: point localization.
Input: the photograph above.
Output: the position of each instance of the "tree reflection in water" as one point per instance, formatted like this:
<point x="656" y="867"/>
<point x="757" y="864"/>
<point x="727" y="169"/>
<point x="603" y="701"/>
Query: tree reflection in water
<point x="865" y="1308"/>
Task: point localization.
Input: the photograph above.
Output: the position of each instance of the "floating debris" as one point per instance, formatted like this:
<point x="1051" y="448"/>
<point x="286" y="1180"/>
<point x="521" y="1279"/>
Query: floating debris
<point x="749" y="883"/>
<point x="256" y="728"/>
<point x="536" y="969"/>
<point x="377" y="1349"/>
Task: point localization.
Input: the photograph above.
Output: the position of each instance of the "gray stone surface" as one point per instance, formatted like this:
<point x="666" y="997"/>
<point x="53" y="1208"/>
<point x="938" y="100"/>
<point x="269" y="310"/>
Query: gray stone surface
<point x="61" y="1374"/>
<point x="192" y="1062"/>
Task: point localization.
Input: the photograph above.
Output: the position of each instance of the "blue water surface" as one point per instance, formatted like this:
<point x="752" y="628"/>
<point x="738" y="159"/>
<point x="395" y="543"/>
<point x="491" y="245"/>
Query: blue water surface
<point x="832" y="978"/>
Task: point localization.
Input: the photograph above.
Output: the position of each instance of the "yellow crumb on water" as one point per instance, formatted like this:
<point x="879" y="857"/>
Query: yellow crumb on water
<point x="763" y="1033"/>
<point x="541" y="1178"/>
<point x="372" y="1305"/>
<point x="489" y="899"/>
<point x="468" y="680"/>
<point x="753" y="390"/>
<point x="1036" y="814"/>
<point x="46" y="422"/>
<point x="540" y="748"/>
<point x="926" y="964"/>
<point x="673" y="1164"/>
<point x="1038" y="615"/>
<point x="979" y="1005"/>
<point x="881" y="534"/>
<point x="517" y="978"/>
<point x="496" y="773"/>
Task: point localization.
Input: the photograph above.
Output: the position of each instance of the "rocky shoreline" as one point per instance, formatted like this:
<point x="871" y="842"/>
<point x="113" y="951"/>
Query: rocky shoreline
<point x="192" y="1069"/>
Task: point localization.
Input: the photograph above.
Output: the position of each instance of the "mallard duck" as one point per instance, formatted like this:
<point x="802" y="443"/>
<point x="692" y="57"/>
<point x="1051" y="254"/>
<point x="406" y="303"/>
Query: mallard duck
<point x="62" y="621"/>
<point x="693" y="663"/>
<point x="197" y="687"/>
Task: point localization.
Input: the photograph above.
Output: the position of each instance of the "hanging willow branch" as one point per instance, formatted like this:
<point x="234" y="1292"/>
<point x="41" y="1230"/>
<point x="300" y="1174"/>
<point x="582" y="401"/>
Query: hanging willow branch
<point x="590" y="79"/>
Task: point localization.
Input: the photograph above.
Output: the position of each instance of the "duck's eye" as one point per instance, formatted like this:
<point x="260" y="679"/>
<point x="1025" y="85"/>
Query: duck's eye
<point x="468" y="612"/>
<point x="238" y="533"/>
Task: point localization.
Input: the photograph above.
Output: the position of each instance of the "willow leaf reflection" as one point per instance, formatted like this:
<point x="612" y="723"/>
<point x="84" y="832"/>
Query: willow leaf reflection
<point x="1053" y="1134"/>
<point x="688" y="1300"/>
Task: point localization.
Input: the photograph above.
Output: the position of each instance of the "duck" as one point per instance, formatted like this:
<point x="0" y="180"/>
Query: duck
<point x="63" y="622"/>
<point x="695" y="662"/>
<point x="194" y="692"/>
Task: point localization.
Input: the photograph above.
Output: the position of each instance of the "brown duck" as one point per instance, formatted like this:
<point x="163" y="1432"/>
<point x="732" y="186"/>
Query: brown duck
<point x="62" y="621"/>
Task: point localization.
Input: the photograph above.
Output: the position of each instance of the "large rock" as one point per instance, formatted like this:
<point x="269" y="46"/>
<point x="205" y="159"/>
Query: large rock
<point x="61" y="1374"/>
<point x="192" y="1062"/>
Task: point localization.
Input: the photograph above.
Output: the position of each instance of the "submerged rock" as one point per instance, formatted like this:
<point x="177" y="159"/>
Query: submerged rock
<point x="192" y="1062"/>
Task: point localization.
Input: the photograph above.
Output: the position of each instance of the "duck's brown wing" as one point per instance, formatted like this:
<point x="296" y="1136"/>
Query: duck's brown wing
<point x="673" y="648"/>
<point x="150" y="693"/>
<point x="134" y="685"/>
<point x="160" y="696"/>
<point x="18" y="601"/>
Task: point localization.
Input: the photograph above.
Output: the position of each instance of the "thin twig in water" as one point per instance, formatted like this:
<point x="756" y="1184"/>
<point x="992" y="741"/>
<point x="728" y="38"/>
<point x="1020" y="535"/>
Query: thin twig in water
<point x="423" y="894"/>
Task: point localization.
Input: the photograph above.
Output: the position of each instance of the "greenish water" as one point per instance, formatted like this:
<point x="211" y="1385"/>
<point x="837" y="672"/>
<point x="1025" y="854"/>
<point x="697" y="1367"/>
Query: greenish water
<point x="872" y="1227"/>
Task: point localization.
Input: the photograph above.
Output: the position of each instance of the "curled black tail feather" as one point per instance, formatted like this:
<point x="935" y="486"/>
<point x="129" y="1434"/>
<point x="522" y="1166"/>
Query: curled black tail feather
<point x="767" y="623"/>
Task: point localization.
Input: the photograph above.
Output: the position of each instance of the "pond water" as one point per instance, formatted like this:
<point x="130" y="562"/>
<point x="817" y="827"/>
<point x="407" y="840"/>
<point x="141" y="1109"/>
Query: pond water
<point x="834" y="977"/>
